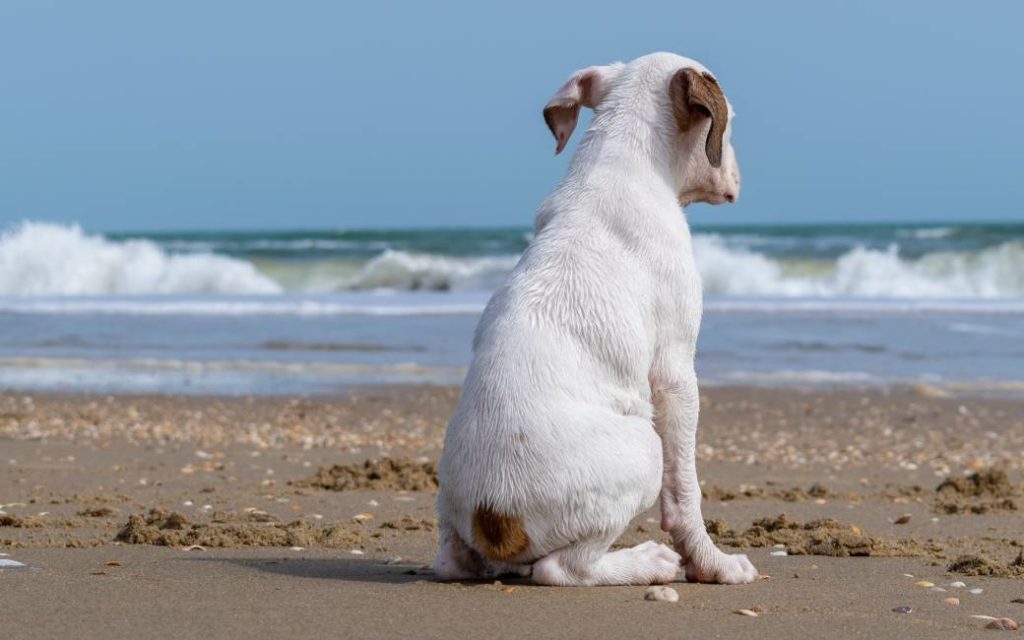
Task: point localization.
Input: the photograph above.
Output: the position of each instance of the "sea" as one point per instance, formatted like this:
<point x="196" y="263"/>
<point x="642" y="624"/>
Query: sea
<point x="317" y="311"/>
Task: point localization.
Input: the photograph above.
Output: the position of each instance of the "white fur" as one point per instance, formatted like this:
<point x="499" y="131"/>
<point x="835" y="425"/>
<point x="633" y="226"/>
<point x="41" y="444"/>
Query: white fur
<point x="580" y="405"/>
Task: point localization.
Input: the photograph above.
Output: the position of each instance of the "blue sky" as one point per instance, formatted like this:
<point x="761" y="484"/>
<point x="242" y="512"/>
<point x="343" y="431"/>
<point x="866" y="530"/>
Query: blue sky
<point x="249" y="114"/>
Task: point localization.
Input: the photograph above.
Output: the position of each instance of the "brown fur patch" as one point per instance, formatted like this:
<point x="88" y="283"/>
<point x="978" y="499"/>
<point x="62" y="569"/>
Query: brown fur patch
<point x="696" y="96"/>
<point x="499" y="537"/>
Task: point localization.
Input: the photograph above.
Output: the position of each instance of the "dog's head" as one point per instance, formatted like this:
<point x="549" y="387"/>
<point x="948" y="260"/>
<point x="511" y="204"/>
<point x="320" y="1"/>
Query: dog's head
<point x="670" y="108"/>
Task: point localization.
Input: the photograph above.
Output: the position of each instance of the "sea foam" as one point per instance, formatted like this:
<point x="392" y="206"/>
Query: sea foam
<point x="50" y="259"/>
<point x="42" y="259"/>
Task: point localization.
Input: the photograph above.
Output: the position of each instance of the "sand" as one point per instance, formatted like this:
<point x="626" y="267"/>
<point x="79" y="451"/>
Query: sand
<point x="142" y="516"/>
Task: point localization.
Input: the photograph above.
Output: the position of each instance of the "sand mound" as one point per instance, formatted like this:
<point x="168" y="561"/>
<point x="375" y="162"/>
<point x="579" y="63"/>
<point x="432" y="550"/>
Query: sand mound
<point x="409" y="523"/>
<point x="386" y="474"/>
<point x="796" y="494"/>
<point x="170" y="528"/>
<point x="822" y="537"/>
<point x="985" y="491"/>
<point x="31" y="522"/>
<point x="976" y="565"/>
<point x="98" y="512"/>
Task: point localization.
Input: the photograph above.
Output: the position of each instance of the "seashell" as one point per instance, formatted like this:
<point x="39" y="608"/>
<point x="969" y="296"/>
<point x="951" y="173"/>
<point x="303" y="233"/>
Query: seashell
<point x="659" y="593"/>
<point x="924" y="584"/>
<point x="953" y="602"/>
<point x="1003" y="624"/>
<point x="750" y="613"/>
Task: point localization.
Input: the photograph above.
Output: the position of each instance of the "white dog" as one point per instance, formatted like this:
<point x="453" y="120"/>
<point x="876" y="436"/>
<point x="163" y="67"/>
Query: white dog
<point x="580" y="405"/>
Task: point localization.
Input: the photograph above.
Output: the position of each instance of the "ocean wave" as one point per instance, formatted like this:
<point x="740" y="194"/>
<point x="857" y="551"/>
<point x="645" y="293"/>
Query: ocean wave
<point x="42" y="259"/>
<point x="993" y="272"/>
<point x="413" y="272"/>
<point x="50" y="259"/>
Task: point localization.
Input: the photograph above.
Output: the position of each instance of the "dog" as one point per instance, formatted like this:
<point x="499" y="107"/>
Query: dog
<point x="579" y="409"/>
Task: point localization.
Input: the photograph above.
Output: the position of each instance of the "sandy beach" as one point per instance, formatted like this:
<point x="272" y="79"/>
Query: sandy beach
<point x="142" y="516"/>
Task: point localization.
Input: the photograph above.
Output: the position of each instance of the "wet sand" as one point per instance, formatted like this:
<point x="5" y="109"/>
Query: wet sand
<point x="145" y="516"/>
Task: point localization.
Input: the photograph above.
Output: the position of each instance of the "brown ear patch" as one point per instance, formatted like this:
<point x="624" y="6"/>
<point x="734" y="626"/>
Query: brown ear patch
<point x="696" y="96"/>
<point x="499" y="537"/>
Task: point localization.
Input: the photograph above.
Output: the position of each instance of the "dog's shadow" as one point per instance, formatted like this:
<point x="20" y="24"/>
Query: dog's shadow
<point x="350" y="570"/>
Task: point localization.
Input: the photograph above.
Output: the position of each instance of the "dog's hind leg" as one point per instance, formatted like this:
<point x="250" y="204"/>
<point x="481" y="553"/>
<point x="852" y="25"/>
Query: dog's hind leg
<point x="589" y="563"/>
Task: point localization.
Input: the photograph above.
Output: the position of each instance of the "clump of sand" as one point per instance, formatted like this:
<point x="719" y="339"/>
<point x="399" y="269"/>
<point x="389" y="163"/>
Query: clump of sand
<point x="821" y="537"/>
<point x="30" y="522"/>
<point x="978" y="565"/>
<point x="409" y="523"/>
<point x="386" y="474"/>
<point x="985" y="491"/>
<point x="170" y="528"/>
<point x="795" y="494"/>
<point x="98" y="512"/>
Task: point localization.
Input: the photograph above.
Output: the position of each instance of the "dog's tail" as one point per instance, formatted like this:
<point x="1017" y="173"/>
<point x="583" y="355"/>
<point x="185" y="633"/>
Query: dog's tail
<point x="498" y="536"/>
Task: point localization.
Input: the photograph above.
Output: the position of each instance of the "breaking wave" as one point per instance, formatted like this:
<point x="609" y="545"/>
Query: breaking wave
<point x="42" y="259"/>
<point x="49" y="259"/>
<point x="994" y="272"/>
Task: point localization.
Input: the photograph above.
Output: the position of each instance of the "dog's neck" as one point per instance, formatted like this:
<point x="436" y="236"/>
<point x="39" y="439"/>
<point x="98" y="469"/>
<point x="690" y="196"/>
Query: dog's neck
<point x="624" y="145"/>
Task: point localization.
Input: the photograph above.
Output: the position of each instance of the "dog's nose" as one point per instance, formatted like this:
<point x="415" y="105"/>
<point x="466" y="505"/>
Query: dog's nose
<point x="730" y="197"/>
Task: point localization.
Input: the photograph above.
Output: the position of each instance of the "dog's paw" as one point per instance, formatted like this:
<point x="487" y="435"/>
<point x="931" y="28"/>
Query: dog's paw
<point x="661" y="561"/>
<point x="722" y="568"/>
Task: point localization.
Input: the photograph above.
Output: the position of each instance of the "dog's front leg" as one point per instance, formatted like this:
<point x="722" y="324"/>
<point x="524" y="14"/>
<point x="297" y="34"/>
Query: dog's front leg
<point x="676" y="404"/>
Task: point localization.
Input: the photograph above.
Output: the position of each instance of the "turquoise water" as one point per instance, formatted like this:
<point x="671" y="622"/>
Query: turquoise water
<point x="316" y="311"/>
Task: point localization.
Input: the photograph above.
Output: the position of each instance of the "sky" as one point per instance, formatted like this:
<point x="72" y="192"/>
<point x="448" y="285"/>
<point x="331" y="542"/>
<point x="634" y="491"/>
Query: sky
<point x="245" y="114"/>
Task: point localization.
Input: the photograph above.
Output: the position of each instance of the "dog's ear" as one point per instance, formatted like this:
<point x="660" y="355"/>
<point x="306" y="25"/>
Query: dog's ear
<point x="695" y="96"/>
<point x="587" y="88"/>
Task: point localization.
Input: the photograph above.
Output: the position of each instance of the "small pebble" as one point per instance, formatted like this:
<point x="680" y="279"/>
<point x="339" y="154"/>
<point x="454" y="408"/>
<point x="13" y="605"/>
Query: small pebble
<point x="908" y="575"/>
<point x="779" y="553"/>
<point x="976" y="591"/>
<point x="4" y="562"/>
<point x="195" y="547"/>
<point x="958" y="584"/>
<point x="953" y="602"/>
<point x="750" y="613"/>
<point x="659" y="593"/>
<point x="296" y="548"/>
<point x="903" y="609"/>
<point x="938" y="590"/>
<point x="924" y="584"/>
<point x="356" y="552"/>
<point x="904" y="519"/>
<point x="1003" y="624"/>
